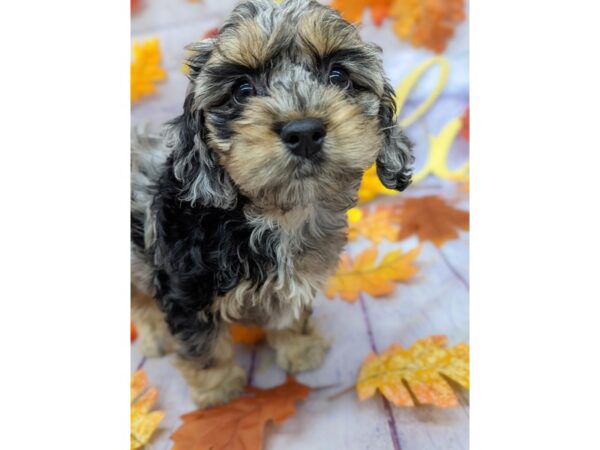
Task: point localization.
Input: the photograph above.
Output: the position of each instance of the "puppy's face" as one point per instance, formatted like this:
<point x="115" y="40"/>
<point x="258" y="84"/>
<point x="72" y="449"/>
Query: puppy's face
<point x="293" y="104"/>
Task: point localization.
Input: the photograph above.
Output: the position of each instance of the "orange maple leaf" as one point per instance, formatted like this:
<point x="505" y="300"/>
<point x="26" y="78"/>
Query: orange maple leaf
<point x="239" y="424"/>
<point x="133" y="331"/>
<point x="402" y="375"/>
<point x="427" y="23"/>
<point x="353" y="11"/>
<point x="377" y="224"/>
<point x="246" y="334"/>
<point x="464" y="131"/>
<point x="365" y="275"/>
<point x="431" y="219"/>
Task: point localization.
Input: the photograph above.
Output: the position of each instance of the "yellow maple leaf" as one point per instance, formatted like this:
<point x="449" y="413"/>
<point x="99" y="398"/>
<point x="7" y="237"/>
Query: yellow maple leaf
<point x="371" y="187"/>
<point x="427" y="23"/>
<point x="365" y="275"/>
<point x="401" y="374"/>
<point x="145" y="68"/>
<point x="143" y="422"/>
<point x="376" y="225"/>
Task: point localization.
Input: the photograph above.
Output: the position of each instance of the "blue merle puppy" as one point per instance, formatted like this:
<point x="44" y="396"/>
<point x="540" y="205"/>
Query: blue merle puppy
<point x="239" y="205"/>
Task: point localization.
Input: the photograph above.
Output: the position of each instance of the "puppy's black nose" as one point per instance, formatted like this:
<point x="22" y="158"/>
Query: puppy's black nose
<point x="303" y="137"/>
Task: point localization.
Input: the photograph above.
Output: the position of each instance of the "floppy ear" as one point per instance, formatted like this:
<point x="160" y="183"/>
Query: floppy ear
<point x="195" y="164"/>
<point x="395" y="159"/>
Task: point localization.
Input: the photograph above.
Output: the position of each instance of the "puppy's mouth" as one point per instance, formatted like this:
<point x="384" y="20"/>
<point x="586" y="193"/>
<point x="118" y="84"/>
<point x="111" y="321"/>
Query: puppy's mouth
<point x="306" y="167"/>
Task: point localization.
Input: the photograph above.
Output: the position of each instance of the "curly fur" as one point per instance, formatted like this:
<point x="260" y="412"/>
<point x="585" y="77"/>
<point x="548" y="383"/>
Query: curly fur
<point x="227" y="224"/>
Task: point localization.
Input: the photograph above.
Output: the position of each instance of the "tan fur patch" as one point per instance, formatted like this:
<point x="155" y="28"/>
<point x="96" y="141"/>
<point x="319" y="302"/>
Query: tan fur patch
<point x="220" y="382"/>
<point x="299" y="347"/>
<point x="325" y="35"/>
<point x="153" y="335"/>
<point x="246" y="44"/>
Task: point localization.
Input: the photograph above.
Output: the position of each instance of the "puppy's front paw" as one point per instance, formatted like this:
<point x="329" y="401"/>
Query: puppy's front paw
<point x="219" y="385"/>
<point x="303" y="352"/>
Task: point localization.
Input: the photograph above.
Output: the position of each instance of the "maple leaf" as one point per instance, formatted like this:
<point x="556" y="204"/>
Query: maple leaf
<point x="365" y="275"/>
<point x="464" y="131"/>
<point x="431" y="219"/>
<point x="145" y="68"/>
<point x="380" y="223"/>
<point x="246" y="334"/>
<point x="427" y="23"/>
<point x="371" y="187"/>
<point x="239" y="424"/>
<point x="353" y="11"/>
<point x="133" y="331"/>
<point x="143" y="422"/>
<point x="401" y="374"/>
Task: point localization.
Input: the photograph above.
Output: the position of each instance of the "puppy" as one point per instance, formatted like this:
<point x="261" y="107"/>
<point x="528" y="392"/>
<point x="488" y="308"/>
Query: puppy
<point x="239" y="205"/>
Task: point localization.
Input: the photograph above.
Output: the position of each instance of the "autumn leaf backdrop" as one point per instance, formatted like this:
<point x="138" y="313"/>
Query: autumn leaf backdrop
<point x="396" y="241"/>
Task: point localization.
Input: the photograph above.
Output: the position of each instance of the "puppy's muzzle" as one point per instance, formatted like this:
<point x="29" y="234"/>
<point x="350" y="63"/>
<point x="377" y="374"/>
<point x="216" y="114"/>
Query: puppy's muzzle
<point x="304" y="137"/>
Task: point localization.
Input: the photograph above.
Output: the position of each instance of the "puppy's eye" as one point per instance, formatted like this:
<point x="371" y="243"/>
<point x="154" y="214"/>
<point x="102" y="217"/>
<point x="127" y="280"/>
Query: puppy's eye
<point x="242" y="90"/>
<point x="339" y="77"/>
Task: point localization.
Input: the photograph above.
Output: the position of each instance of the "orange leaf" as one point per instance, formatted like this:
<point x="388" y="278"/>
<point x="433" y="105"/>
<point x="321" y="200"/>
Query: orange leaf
<point x="246" y="334"/>
<point x="464" y="131"/>
<point x="133" y="332"/>
<point x="427" y="23"/>
<point x="378" y="224"/>
<point x="403" y="374"/>
<point x="239" y="424"/>
<point x="353" y="11"/>
<point x="375" y="279"/>
<point x="431" y="219"/>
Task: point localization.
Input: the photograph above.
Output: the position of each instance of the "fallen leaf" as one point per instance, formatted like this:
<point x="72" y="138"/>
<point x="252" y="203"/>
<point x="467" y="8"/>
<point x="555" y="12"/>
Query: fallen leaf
<point x="145" y="68"/>
<point x="401" y="374"/>
<point x="239" y="424"/>
<point x="427" y="23"/>
<point x="377" y="224"/>
<point x="246" y="334"/>
<point x="354" y="215"/>
<point x="464" y="131"/>
<point x="371" y="187"/>
<point x="133" y="332"/>
<point x="431" y="218"/>
<point x="364" y="275"/>
<point x="143" y="421"/>
<point x="210" y="33"/>
<point x="353" y="11"/>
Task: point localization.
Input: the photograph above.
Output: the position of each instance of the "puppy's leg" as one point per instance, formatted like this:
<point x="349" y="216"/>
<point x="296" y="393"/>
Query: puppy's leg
<point x="213" y="379"/>
<point x="153" y="334"/>
<point x="299" y="347"/>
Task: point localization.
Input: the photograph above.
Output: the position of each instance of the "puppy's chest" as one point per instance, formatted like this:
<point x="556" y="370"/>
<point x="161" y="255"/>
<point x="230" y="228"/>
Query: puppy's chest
<point x="300" y="267"/>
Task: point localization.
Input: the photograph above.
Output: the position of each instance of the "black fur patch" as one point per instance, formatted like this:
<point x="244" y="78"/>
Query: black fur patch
<point x="200" y="252"/>
<point x="137" y="230"/>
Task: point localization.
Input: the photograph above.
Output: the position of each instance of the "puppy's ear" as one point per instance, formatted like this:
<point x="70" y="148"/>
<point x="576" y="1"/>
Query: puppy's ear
<point x="195" y="165"/>
<point x="395" y="159"/>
